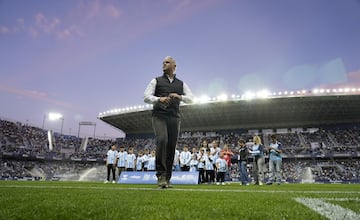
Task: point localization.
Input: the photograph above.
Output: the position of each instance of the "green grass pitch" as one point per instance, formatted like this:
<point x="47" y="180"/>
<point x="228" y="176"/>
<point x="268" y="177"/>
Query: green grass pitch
<point x="92" y="200"/>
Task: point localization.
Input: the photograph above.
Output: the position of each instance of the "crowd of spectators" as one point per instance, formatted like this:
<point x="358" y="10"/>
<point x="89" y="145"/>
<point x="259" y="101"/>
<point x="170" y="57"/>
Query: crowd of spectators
<point x="24" y="148"/>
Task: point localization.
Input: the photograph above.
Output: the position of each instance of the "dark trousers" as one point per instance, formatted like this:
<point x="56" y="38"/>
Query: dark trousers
<point x="220" y="177"/>
<point x="166" y="133"/>
<point x="210" y="176"/>
<point x="120" y="169"/>
<point x="110" y="168"/>
<point x="244" y="177"/>
<point x="201" y="175"/>
<point x="185" y="168"/>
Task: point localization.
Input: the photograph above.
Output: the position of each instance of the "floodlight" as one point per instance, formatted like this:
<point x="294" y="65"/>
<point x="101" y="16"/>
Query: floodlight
<point x="262" y="94"/>
<point x="54" y="116"/>
<point x="222" y="97"/>
<point x="248" y="95"/>
<point x="315" y="91"/>
<point x="204" y="99"/>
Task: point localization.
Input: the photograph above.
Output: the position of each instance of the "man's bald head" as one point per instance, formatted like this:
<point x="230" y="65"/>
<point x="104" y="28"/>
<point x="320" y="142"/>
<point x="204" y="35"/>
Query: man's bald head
<point x="170" y="58"/>
<point x="169" y="65"/>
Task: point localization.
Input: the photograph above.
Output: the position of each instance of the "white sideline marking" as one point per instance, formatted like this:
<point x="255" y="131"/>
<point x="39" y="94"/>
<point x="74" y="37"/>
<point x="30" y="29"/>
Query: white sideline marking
<point x="119" y="187"/>
<point x="330" y="211"/>
<point x="341" y="199"/>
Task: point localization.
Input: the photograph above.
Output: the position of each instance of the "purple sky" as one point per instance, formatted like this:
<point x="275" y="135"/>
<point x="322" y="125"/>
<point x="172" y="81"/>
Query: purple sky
<point x="80" y="58"/>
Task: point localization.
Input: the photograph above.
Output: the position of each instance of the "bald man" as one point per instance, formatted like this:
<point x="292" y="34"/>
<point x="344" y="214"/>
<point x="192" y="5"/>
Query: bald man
<point x="165" y="93"/>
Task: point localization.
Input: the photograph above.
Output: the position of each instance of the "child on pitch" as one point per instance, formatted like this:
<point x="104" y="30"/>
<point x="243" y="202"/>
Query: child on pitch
<point x="130" y="160"/>
<point x="145" y="159"/>
<point x="176" y="164"/>
<point x="221" y="165"/>
<point x="139" y="162"/>
<point x="151" y="161"/>
<point x="185" y="158"/>
<point x="121" y="158"/>
<point x="209" y="167"/>
<point x="110" y="163"/>
<point x="193" y="163"/>
<point x="227" y="156"/>
<point x="201" y="165"/>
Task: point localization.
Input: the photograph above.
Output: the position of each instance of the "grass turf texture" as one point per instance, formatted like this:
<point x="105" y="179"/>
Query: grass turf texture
<point x="90" y="200"/>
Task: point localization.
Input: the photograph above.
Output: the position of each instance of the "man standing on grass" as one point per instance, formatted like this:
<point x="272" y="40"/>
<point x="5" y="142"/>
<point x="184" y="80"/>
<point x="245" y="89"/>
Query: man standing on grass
<point x="165" y="93"/>
<point x="242" y="162"/>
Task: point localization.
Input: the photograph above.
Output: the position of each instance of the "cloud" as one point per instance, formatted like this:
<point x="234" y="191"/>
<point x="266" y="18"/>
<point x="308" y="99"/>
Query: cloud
<point x="36" y="95"/>
<point x="42" y="25"/>
<point x="112" y="11"/>
<point x="69" y="32"/>
<point x="33" y="32"/>
<point x="4" y="30"/>
<point x="45" y="24"/>
<point x="97" y="9"/>
<point x="354" y="76"/>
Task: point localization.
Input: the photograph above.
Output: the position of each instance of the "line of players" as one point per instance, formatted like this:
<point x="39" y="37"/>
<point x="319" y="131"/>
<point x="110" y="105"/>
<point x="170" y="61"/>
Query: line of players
<point x="209" y="161"/>
<point x="123" y="160"/>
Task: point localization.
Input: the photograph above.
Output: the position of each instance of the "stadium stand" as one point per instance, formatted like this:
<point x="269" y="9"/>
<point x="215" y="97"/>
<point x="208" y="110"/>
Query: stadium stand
<point x="331" y="153"/>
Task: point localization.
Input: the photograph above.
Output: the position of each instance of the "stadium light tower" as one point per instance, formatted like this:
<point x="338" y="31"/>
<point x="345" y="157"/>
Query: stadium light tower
<point x="54" y="117"/>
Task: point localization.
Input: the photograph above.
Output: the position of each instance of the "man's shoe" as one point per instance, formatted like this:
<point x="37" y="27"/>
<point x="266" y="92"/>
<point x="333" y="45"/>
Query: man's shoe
<point x="168" y="185"/>
<point x="162" y="182"/>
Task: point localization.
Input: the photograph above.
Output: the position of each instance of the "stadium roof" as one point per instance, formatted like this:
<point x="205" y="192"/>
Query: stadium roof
<point x="275" y="112"/>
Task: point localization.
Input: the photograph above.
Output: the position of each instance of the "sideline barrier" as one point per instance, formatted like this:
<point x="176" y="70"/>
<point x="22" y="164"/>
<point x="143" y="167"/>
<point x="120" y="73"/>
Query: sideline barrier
<point x="149" y="177"/>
